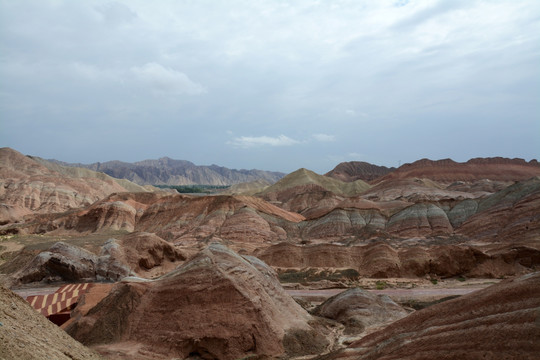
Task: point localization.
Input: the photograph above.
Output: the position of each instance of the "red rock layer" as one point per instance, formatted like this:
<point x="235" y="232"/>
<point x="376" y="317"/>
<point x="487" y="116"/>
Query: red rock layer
<point x="358" y="170"/>
<point x="449" y="171"/>
<point x="218" y="305"/>
<point x="382" y="261"/>
<point x="499" y="322"/>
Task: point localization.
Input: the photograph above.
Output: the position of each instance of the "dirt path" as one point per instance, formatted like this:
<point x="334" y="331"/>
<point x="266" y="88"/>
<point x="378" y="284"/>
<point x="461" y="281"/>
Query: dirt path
<point x="24" y="293"/>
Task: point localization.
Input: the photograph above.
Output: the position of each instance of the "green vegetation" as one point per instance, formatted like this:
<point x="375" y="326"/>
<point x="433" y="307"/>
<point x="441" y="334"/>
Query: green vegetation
<point x="194" y="189"/>
<point x="381" y="285"/>
<point x="461" y="278"/>
<point x="434" y="281"/>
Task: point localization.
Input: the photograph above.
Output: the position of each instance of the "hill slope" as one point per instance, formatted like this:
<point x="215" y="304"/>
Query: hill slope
<point x="358" y="170"/>
<point x="167" y="171"/>
<point x="28" y="185"/>
<point x="448" y="171"/>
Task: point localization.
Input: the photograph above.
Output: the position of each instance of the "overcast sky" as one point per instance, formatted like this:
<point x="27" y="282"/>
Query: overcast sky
<point x="272" y="85"/>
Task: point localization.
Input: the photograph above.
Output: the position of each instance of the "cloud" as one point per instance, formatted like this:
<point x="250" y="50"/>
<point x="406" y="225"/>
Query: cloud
<point x="115" y="13"/>
<point x="256" y="141"/>
<point x="166" y="80"/>
<point x="324" y="137"/>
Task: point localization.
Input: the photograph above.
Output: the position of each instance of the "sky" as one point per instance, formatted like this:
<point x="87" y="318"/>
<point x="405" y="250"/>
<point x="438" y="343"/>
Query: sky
<point x="270" y="85"/>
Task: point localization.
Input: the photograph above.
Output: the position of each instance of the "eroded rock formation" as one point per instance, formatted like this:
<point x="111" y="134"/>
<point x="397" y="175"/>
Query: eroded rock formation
<point x="499" y="322"/>
<point x="359" y="310"/>
<point x="217" y="305"/>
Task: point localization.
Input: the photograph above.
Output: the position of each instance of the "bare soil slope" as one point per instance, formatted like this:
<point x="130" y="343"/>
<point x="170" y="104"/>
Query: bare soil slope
<point x="25" y="334"/>
<point x="499" y="322"/>
<point x="217" y="305"/>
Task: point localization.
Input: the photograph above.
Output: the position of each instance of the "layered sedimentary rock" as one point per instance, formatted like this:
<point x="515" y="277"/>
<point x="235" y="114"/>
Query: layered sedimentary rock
<point x="358" y="170"/>
<point x="186" y="220"/>
<point x="141" y="254"/>
<point x="27" y="186"/>
<point x="217" y="305"/>
<point x="360" y="310"/>
<point x="380" y="260"/>
<point x="26" y="334"/>
<point x="499" y="322"/>
<point x="449" y="171"/>
<point x="64" y="262"/>
<point x="303" y="189"/>
<point x="145" y="254"/>
<point x="508" y="215"/>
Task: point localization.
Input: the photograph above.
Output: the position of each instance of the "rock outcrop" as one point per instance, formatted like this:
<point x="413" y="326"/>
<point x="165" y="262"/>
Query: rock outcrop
<point x="217" y="305"/>
<point x="27" y="186"/>
<point x="499" y="322"/>
<point x="26" y="334"/>
<point x="449" y="171"/>
<point x="302" y="189"/>
<point x="358" y="170"/>
<point x="64" y="262"/>
<point x="139" y="254"/>
<point x="145" y="254"/>
<point x="360" y="310"/>
<point x="378" y="260"/>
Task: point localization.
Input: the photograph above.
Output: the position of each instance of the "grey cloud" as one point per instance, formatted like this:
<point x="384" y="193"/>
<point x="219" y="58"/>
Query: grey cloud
<point x="115" y="13"/>
<point x="190" y="71"/>
<point x="166" y="80"/>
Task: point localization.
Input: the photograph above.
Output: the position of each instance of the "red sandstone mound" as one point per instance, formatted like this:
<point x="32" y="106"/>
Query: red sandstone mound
<point x="145" y="254"/>
<point x="245" y="221"/>
<point x="217" y="305"/>
<point x="64" y="262"/>
<point x="26" y="334"/>
<point x="360" y="310"/>
<point x="415" y="190"/>
<point x="449" y="171"/>
<point x="379" y="260"/>
<point x="141" y="254"/>
<point x="509" y="215"/>
<point x="27" y="186"/>
<point x="358" y="170"/>
<point x="499" y="322"/>
<point x="303" y="189"/>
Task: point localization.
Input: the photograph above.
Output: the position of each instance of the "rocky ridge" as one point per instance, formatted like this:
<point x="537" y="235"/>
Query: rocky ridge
<point x="28" y="187"/>
<point x="167" y="171"/>
<point x="499" y="322"/>
<point x="358" y="170"/>
<point x="217" y="305"/>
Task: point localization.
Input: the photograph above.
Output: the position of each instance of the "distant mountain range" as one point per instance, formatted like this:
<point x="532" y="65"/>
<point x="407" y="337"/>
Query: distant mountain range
<point x="167" y="171"/>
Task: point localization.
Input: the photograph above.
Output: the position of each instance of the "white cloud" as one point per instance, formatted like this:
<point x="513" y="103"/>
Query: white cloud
<point x="324" y="137"/>
<point x="355" y="155"/>
<point x="254" y="141"/>
<point x="166" y="80"/>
